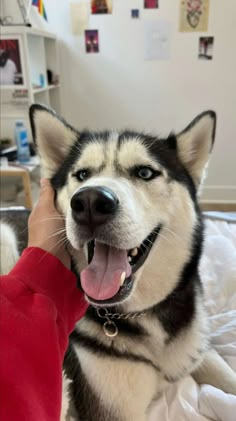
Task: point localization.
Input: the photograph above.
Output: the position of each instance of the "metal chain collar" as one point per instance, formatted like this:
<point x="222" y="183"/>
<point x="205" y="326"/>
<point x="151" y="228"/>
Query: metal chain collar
<point x="109" y="327"/>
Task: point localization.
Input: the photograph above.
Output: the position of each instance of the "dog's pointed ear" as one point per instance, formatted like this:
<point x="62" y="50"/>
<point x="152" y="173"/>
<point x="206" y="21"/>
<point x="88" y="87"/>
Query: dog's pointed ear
<point x="53" y="137"/>
<point x="194" y="145"/>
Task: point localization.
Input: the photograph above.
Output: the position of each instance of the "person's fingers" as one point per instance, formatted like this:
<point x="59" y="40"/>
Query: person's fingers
<point x="44" y="182"/>
<point x="47" y="195"/>
<point x="46" y="226"/>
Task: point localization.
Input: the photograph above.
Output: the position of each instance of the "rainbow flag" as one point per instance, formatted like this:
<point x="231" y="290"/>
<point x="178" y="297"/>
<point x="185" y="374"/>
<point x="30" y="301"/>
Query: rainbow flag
<point x="40" y="5"/>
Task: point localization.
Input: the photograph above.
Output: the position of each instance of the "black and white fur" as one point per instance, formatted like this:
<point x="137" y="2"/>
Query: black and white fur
<point x="117" y="379"/>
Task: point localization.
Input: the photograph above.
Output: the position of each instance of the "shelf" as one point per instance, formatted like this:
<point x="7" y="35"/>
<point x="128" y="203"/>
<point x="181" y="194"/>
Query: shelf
<point x="40" y="33"/>
<point x="58" y="85"/>
<point x="38" y="90"/>
<point x="27" y="30"/>
<point x="45" y="88"/>
<point x="38" y="52"/>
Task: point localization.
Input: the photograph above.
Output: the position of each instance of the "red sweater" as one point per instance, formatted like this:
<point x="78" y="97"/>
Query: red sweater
<point x="39" y="306"/>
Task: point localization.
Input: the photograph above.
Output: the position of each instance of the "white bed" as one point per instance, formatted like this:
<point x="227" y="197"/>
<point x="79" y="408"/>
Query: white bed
<point x="186" y="400"/>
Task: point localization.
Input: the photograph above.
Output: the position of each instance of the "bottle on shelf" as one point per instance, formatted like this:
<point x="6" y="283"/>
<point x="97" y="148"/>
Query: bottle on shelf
<point x="22" y="143"/>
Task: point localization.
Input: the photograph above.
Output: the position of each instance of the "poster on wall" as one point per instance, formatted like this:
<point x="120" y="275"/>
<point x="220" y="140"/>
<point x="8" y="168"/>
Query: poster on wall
<point x="194" y="15"/>
<point x="101" y="7"/>
<point x="11" y="72"/>
<point x="205" y="49"/>
<point x="79" y="16"/>
<point x="157" y="40"/>
<point x="91" y="41"/>
<point x="135" y="13"/>
<point x="151" y="4"/>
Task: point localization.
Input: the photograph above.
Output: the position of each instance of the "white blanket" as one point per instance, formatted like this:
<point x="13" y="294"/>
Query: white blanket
<point x="186" y="400"/>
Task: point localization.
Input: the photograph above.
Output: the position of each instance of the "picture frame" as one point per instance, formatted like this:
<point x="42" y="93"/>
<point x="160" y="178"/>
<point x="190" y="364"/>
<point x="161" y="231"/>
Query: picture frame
<point x="101" y="7"/>
<point x="151" y="4"/>
<point x="205" y="48"/>
<point x="12" y="66"/>
<point x="92" y="41"/>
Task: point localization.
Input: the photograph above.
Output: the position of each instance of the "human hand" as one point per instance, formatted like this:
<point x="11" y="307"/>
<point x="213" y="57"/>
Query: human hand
<point x="46" y="226"/>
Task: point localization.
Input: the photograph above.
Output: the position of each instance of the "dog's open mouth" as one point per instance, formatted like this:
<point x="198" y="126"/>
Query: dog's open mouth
<point x="108" y="278"/>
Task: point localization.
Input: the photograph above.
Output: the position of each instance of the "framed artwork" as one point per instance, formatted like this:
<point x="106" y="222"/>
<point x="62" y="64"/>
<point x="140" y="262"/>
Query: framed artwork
<point x="205" y="49"/>
<point x="135" y="13"/>
<point x="92" y="41"/>
<point x="151" y="4"/>
<point x="194" y="15"/>
<point x="101" y="7"/>
<point x="11" y="63"/>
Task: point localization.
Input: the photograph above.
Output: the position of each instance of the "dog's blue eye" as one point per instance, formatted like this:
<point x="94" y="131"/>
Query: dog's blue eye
<point x="82" y="175"/>
<point x="145" y="173"/>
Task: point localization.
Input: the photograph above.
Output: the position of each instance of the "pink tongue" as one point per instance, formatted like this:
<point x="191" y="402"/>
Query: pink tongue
<point x="101" y="279"/>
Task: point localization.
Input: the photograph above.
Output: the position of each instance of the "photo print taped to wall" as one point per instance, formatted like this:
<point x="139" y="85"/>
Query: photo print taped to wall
<point x="79" y="16"/>
<point x="205" y="49"/>
<point x="91" y="41"/>
<point x="151" y="4"/>
<point x="157" y="37"/>
<point x="10" y="62"/>
<point x="101" y="7"/>
<point x="194" y="15"/>
<point x="135" y="13"/>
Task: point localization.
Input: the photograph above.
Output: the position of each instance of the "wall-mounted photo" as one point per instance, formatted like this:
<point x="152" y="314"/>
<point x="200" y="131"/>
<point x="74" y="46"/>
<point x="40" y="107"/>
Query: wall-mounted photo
<point x="101" y="7"/>
<point x="135" y="13"/>
<point x="205" y="50"/>
<point x="151" y="4"/>
<point x="194" y="15"/>
<point x="92" y="41"/>
<point x="11" y="73"/>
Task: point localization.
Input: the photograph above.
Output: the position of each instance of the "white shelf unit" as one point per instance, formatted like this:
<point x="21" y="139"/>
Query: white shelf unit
<point x="38" y="53"/>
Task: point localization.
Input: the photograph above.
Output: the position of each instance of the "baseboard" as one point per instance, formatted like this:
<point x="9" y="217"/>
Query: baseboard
<point x="219" y="194"/>
<point x="218" y="207"/>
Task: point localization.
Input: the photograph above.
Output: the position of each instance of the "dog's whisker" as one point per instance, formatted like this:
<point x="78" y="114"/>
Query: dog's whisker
<point x="42" y="220"/>
<point x="50" y="218"/>
<point x="56" y="246"/>
<point x="173" y="233"/>
<point x="64" y="239"/>
<point x="160" y="235"/>
<point x="56" y="233"/>
<point x="167" y="239"/>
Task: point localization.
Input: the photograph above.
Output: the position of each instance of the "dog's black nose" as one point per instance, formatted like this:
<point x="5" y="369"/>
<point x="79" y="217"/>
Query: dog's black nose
<point x="93" y="206"/>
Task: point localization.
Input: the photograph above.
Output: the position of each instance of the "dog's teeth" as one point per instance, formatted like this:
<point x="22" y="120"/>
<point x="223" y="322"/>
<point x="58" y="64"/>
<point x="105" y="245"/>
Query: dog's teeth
<point x="134" y="252"/>
<point x="129" y="258"/>
<point x="122" y="278"/>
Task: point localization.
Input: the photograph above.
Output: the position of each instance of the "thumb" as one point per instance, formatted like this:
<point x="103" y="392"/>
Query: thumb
<point x="44" y="182"/>
<point x="47" y="193"/>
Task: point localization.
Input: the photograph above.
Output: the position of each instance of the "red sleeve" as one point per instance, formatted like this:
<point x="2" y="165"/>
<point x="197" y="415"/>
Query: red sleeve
<point x="39" y="306"/>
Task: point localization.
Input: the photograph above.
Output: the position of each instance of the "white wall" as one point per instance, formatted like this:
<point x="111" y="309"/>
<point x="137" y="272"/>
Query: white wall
<point x="117" y="88"/>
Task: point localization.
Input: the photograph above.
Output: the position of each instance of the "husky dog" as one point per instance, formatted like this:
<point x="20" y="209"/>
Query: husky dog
<point x="135" y="237"/>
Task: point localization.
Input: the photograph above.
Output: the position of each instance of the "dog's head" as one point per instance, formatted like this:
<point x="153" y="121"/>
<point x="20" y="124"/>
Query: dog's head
<point x="129" y="201"/>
